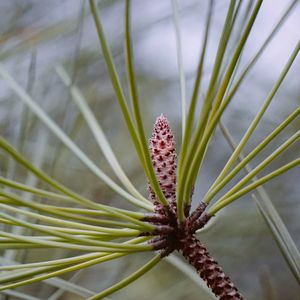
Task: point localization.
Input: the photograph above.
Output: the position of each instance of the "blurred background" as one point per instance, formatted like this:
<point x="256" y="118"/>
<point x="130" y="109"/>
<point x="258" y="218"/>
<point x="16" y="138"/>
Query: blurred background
<point x="37" y="35"/>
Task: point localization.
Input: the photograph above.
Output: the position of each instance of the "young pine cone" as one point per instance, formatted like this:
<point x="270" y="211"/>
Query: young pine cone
<point x="164" y="160"/>
<point x="182" y="236"/>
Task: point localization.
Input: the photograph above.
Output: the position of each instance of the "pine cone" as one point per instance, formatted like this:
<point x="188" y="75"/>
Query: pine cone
<point x="164" y="160"/>
<point x="175" y="235"/>
<point x="208" y="268"/>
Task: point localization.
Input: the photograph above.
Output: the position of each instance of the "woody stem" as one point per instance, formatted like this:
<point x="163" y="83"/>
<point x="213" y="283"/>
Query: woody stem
<point x="208" y="269"/>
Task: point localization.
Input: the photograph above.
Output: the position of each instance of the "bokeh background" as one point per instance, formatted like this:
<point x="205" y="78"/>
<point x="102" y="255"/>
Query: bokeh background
<point x="36" y="35"/>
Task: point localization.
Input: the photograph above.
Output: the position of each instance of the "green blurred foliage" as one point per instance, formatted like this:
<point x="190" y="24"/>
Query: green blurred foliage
<point x="36" y="35"/>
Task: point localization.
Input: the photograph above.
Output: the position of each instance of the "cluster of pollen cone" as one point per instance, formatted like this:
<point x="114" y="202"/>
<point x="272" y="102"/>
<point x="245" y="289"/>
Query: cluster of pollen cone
<point x="182" y="236"/>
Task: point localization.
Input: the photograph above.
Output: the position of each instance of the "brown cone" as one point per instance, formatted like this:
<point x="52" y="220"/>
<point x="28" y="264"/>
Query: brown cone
<point x="208" y="268"/>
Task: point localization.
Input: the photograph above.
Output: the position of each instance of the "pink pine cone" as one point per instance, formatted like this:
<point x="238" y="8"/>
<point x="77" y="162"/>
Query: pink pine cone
<point x="182" y="237"/>
<point x="164" y="160"/>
